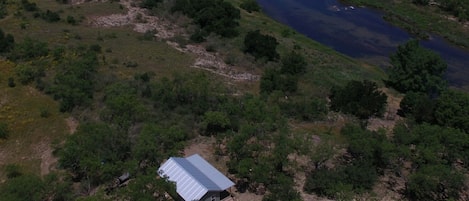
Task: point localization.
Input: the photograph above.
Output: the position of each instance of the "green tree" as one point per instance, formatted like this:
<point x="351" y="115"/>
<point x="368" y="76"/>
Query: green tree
<point x="95" y="153"/>
<point x="215" y="122"/>
<point x="123" y="108"/>
<point x="213" y="16"/>
<point x="417" y="69"/>
<point x="362" y="99"/>
<point x="435" y="182"/>
<point x="27" y="73"/>
<point x="250" y="6"/>
<point x="28" y="50"/>
<point x="156" y="143"/>
<point x="418" y="106"/>
<point x="261" y="46"/>
<point x="293" y="63"/>
<point x="452" y="109"/>
<point x="23" y="188"/>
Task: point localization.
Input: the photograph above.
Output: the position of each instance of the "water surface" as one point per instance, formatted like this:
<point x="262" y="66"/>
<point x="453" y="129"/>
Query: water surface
<point x="360" y="33"/>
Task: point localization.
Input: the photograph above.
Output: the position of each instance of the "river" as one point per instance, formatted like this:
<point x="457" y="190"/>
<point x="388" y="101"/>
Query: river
<point x="360" y="33"/>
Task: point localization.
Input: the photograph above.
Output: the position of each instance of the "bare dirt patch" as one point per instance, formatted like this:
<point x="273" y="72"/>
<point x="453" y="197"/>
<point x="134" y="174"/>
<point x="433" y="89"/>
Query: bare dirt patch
<point x="141" y="22"/>
<point x="390" y="117"/>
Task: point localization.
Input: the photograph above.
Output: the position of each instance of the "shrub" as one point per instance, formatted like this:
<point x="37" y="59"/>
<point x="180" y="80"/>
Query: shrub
<point x="4" y="132"/>
<point x="362" y="99"/>
<point x="261" y="46"/>
<point x="250" y="6"/>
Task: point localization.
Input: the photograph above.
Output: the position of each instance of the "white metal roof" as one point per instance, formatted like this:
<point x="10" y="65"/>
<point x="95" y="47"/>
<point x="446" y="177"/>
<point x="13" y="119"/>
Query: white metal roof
<point x="194" y="176"/>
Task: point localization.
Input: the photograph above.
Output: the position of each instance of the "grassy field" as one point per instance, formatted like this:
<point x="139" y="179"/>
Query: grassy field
<point x="421" y="20"/>
<point x="21" y="107"/>
<point x="30" y="135"/>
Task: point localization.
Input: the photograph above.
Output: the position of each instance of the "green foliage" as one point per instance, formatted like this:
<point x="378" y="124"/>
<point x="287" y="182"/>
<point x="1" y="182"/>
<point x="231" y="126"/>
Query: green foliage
<point x="149" y="188"/>
<point x="7" y="42"/>
<point x="74" y="82"/>
<point x="150" y="4"/>
<point x="29" y="6"/>
<point x="306" y="109"/>
<point x="3" y="9"/>
<point x="95" y="153"/>
<point x="215" y="122"/>
<point x="293" y="63"/>
<point x="50" y="16"/>
<point x="362" y="99"/>
<point x="261" y="46"/>
<point x="272" y="80"/>
<point x="452" y="109"/>
<point x="213" y="16"/>
<point x="23" y="188"/>
<point x="435" y="182"/>
<point x="28" y="50"/>
<point x="250" y="6"/>
<point x="13" y="170"/>
<point x="191" y="93"/>
<point x="459" y="8"/>
<point x="326" y="183"/>
<point x="418" y="106"/>
<point x="433" y="150"/>
<point x="416" y="69"/>
<point x="421" y="2"/>
<point x="123" y="107"/>
<point x="4" y="131"/>
<point x="156" y="143"/>
<point x="11" y="82"/>
<point x="27" y="72"/>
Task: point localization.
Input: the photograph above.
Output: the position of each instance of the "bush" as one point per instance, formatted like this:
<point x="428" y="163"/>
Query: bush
<point x="250" y="6"/>
<point x="11" y="82"/>
<point x="4" y="132"/>
<point x="213" y="16"/>
<point x="7" y="42"/>
<point x="261" y="46"/>
<point x="362" y="99"/>
<point x="27" y="73"/>
<point x="50" y="16"/>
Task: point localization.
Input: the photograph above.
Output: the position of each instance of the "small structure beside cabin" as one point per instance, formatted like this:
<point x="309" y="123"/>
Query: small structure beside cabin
<point x="195" y="178"/>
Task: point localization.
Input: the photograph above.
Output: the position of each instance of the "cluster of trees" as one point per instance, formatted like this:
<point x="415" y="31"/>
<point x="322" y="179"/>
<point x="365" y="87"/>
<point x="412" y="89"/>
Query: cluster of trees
<point x="261" y="46"/>
<point x="368" y="153"/>
<point x="362" y="99"/>
<point x="212" y="16"/>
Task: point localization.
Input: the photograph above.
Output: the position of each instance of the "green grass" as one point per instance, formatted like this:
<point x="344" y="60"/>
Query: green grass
<point x="420" y="20"/>
<point x="327" y="67"/>
<point x="20" y="109"/>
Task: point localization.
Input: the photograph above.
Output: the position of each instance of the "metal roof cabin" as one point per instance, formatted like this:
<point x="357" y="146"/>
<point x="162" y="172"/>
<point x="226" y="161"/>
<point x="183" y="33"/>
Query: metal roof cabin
<point x="195" y="178"/>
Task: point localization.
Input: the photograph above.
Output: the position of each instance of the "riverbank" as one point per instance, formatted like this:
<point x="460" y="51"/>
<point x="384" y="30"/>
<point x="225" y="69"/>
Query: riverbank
<point x="421" y="21"/>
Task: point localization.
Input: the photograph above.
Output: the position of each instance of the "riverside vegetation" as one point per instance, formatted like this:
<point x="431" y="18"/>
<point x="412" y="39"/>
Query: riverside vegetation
<point x="307" y="116"/>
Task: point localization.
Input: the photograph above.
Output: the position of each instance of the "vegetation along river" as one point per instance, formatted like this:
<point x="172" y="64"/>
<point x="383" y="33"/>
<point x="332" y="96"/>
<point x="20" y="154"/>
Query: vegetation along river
<point x="360" y="33"/>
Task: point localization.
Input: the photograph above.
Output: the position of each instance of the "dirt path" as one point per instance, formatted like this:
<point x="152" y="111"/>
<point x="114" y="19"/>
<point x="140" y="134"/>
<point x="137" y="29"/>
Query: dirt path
<point x="142" y="22"/>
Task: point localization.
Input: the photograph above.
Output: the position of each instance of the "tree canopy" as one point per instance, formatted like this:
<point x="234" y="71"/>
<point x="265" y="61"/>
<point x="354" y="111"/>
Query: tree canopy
<point x="261" y="46"/>
<point x="416" y="69"/>
<point x="362" y="99"/>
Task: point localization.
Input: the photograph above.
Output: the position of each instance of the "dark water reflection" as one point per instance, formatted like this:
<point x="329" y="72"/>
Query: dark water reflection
<point x="360" y="33"/>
